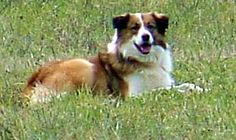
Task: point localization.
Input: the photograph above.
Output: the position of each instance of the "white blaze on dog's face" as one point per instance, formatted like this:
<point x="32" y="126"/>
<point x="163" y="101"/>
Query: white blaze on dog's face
<point x="140" y="36"/>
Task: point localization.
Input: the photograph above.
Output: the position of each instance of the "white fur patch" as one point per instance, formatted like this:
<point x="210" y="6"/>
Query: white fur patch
<point x="153" y="78"/>
<point x="138" y="39"/>
<point x="42" y="94"/>
<point x="112" y="47"/>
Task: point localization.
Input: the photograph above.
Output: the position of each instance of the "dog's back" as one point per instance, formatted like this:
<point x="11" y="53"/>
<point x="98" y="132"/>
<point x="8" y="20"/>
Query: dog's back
<point x="65" y="76"/>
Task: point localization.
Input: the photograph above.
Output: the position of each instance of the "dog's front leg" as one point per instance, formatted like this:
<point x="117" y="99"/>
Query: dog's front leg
<point x="124" y="89"/>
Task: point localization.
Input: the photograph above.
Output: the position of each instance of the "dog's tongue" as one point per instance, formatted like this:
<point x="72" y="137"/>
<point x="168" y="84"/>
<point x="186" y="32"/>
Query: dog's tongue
<point x="145" y="48"/>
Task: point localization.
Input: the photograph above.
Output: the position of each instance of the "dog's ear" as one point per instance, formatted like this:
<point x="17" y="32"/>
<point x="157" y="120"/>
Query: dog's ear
<point x="162" y="22"/>
<point x="120" y="22"/>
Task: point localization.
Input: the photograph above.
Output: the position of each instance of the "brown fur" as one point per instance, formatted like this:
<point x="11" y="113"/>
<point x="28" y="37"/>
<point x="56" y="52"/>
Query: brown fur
<point x="63" y="75"/>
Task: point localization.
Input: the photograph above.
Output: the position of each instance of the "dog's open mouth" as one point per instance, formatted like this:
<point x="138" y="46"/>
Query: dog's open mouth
<point x="143" y="48"/>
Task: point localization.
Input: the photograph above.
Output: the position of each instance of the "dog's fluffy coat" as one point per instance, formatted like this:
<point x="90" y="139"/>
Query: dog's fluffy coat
<point x="137" y="60"/>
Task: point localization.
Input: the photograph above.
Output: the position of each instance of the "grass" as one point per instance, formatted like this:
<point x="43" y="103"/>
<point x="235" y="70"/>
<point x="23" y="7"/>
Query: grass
<point x="203" y="33"/>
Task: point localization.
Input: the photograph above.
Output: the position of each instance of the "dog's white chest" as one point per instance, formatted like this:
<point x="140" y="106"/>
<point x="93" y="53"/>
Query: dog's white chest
<point x="146" y="80"/>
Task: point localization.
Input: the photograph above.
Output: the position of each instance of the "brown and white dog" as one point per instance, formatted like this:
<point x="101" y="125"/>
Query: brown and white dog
<point x="137" y="60"/>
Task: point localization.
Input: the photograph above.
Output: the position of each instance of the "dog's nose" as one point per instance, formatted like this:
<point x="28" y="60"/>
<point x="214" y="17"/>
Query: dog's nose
<point x="145" y="37"/>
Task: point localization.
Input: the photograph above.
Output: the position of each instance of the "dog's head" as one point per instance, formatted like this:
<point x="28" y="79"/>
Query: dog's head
<point x="139" y="35"/>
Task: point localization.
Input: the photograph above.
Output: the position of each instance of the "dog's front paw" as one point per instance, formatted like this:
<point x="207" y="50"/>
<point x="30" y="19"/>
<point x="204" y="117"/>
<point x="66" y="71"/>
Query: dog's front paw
<point x="189" y="87"/>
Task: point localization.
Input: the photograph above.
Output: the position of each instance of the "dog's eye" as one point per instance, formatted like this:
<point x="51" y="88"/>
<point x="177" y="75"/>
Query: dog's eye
<point x="135" y="27"/>
<point x="150" y="26"/>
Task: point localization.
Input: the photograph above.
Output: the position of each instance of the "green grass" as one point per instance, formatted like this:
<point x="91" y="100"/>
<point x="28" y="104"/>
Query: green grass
<point x="204" y="36"/>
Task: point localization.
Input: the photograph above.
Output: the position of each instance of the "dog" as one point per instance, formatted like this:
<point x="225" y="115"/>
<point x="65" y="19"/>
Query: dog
<point x="137" y="60"/>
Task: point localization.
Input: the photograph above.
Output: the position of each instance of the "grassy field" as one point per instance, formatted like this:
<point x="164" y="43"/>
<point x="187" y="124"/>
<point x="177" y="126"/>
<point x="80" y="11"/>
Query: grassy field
<point x="203" y="33"/>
